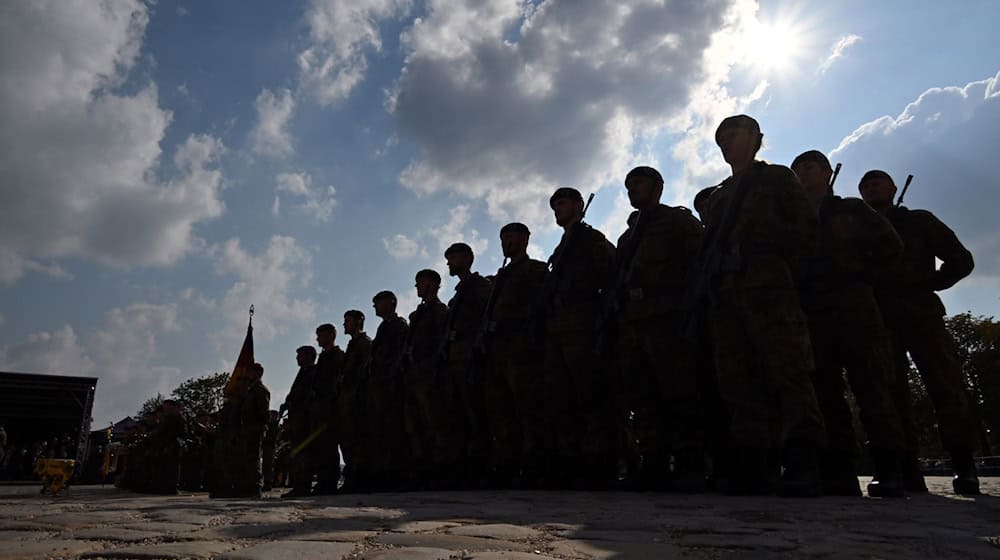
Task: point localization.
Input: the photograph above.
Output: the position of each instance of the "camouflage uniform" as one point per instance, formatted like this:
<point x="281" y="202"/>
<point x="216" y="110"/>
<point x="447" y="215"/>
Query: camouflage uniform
<point x="466" y="450"/>
<point x="760" y="342"/>
<point x="166" y="442"/>
<point x="914" y="314"/>
<point x="300" y="424"/>
<point x="579" y="411"/>
<point x="253" y="414"/>
<point x="425" y="425"/>
<point x="384" y="410"/>
<point x="658" y="366"/>
<point x="268" y="448"/>
<point x="322" y="453"/>
<point x="224" y="449"/>
<point x="349" y="411"/>
<point x="512" y="385"/>
<point x="847" y="332"/>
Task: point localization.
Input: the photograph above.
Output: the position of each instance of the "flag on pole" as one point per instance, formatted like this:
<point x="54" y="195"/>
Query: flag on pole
<point x="243" y="362"/>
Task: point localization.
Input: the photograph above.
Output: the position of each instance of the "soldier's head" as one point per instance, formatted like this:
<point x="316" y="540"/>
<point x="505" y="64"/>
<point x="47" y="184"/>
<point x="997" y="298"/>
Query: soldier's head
<point x="877" y="189"/>
<point x="427" y="282"/>
<point x="702" y="201"/>
<point x="354" y="322"/>
<point x="384" y="303"/>
<point x="644" y="185"/>
<point x="305" y="356"/>
<point x="256" y="372"/>
<point x="459" y="258"/>
<point x="739" y="138"/>
<point x="567" y="206"/>
<point x="514" y="240"/>
<point x="813" y="169"/>
<point x="326" y="334"/>
<point x="273" y="415"/>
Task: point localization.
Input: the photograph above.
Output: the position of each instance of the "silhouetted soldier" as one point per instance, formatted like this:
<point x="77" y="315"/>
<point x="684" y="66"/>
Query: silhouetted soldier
<point x="253" y="423"/>
<point x="659" y="372"/>
<point x="759" y="224"/>
<point x="847" y="332"/>
<point x="350" y="411"/>
<point x="914" y="314"/>
<point x="426" y="426"/>
<point x="166" y="442"/>
<point x="268" y="447"/>
<point x="384" y="410"/>
<point x="300" y="423"/>
<point x="581" y="409"/>
<point x="324" y="454"/>
<point x="513" y="386"/>
<point x="703" y="201"/>
<point x="468" y="446"/>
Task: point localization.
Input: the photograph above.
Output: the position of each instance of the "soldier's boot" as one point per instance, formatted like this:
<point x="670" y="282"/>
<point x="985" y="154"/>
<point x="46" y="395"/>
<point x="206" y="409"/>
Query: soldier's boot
<point x="689" y="476"/>
<point x="750" y="474"/>
<point x="888" y="479"/>
<point x="801" y="478"/>
<point x="966" y="479"/>
<point x="913" y="478"/>
<point x="839" y="476"/>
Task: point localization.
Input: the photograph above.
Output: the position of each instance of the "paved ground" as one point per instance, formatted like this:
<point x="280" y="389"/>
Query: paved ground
<point x="103" y="522"/>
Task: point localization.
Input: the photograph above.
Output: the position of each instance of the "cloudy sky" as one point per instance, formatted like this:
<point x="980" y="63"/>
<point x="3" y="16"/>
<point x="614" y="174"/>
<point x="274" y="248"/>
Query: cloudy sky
<point x="166" y="164"/>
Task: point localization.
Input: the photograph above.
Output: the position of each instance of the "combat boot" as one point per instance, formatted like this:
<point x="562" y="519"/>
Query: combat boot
<point x="913" y="478"/>
<point x="689" y="472"/>
<point x="801" y="477"/>
<point x="750" y="474"/>
<point x="888" y="479"/>
<point x="966" y="481"/>
<point x="839" y="476"/>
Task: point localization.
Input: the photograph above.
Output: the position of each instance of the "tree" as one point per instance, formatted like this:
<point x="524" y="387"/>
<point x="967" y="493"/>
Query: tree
<point x="977" y="343"/>
<point x="202" y="395"/>
<point x="150" y="406"/>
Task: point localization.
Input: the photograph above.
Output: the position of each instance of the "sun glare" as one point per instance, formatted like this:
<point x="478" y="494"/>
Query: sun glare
<point x="774" y="46"/>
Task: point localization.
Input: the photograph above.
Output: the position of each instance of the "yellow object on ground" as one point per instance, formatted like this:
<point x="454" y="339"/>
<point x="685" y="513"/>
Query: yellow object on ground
<point x="55" y="473"/>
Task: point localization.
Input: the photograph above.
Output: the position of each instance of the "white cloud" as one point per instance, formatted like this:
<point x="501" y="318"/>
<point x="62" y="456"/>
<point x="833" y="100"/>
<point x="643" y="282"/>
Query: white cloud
<point x="270" y="137"/>
<point x="947" y="139"/>
<point x="837" y="51"/>
<point x="79" y="162"/>
<point x="507" y="100"/>
<point x="402" y="247"/>
<point x="343" y="32"/>
<point x="315" y="202"/>
<point x="14" y="266"/>
<point x="121" y="352"/>
<point x="267" y="281"/>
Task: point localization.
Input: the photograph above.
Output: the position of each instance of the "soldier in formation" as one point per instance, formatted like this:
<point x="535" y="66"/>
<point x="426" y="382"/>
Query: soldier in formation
<point x="698" y="353"/>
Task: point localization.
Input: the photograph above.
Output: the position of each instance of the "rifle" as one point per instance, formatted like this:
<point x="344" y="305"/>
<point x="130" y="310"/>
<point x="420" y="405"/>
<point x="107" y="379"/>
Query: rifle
<point x="487" y="327"/>
<point x="624" y="260"/>
<point x="553" y="278"/>
<point x="833" y="179"/>
<point x="909" y="179"/>
<point x="712" y="258"/>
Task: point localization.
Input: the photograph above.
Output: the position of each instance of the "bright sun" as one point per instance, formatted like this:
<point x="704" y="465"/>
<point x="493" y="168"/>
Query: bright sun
<point x="773" y="46"/>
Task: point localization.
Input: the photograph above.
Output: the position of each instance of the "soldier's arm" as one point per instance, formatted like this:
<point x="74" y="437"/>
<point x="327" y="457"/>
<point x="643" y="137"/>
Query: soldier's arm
<point x="801" y="236"/>
<point x="956" y="260"/>
<point x="877" y="240"/>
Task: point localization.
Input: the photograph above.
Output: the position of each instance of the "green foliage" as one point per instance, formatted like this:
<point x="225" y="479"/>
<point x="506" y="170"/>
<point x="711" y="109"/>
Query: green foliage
<point x="149" y="406"/>
<point x="977" y="343"/>
<point x="202" y="395"/>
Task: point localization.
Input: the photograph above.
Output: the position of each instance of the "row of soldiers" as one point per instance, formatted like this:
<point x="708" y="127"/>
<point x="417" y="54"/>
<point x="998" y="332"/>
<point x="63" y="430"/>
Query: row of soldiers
<point x="692" y="352"/>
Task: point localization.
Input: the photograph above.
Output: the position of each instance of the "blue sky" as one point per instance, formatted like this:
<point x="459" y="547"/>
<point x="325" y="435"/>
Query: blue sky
<point x="165" y="165"/>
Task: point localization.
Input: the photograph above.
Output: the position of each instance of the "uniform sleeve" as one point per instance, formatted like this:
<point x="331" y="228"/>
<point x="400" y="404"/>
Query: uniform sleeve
<point x="957" y="262"/>
<point x="801" y="236"/>
<point x="879" y="243"/>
